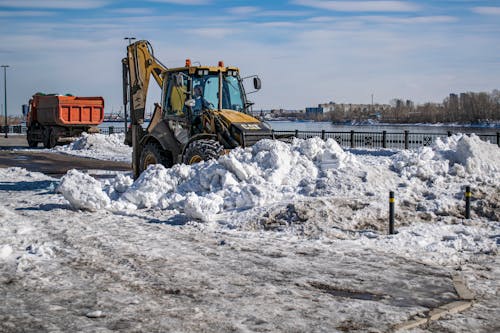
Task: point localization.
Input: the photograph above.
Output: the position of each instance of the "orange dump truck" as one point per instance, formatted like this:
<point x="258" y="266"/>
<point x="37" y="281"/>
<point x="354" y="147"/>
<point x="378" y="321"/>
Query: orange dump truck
<point x="56" y="118"/>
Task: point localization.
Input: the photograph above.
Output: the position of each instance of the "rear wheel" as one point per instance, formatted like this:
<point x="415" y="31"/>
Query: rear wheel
<point x="49" y="138"/>
<point x="153" y="153"/>
<point x="202" y="150"/>
<point x="31" y="143"/>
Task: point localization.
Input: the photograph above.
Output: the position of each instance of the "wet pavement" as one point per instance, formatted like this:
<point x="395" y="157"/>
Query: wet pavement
<point x="53" y="164"/>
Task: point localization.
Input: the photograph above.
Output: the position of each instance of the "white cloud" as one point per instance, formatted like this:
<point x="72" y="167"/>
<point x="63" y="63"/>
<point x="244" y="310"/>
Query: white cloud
<point x="132" y="11"/>
<point x="283" y="13"/>
<point x="278" y="24"/>
<point x="242" y="10"/>
<point x="54" y="4"/>
<point x="411" y="20"/>
<point x="24" y="13"/>
<point x="487" y="10"/>
<point x="360" y="6"/>
<point x="184" y="2"/>
<point x="212" y="32"/>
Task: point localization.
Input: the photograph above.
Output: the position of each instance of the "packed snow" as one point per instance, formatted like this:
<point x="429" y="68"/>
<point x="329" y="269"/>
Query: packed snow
<point x="267" y="238"/>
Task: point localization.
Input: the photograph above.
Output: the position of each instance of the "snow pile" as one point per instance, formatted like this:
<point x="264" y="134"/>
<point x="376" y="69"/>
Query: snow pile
<point x="99" y="146"/>
<point x="83" y="191"/>
<point x="274" y="173"/>
<point x="270" y="171"/>
<point x="459" y="155"/>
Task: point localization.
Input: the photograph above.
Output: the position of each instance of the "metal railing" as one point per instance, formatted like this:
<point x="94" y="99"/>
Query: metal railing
<point x="384" y="139"/>
<point x="349" y="139"/>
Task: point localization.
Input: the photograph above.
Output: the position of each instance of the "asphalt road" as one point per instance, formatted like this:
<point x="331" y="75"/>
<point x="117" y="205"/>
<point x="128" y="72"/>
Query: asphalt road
<point x="53" y="164"/>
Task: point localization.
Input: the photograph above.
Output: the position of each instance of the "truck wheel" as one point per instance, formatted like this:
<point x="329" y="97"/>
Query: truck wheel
<point x="31" y="142"/>
<point x="202" y="150"/>
<point x="153" y="153"/>
<point x="49" y="139"/>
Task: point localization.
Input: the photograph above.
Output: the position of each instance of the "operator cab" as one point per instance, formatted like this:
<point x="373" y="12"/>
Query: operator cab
<point x="190" y="90"/>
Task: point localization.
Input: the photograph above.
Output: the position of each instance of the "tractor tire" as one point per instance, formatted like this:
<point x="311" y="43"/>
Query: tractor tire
<point x="49" y="139"/>
<point x="202" y="150"/>
<point x="153" y="153"/>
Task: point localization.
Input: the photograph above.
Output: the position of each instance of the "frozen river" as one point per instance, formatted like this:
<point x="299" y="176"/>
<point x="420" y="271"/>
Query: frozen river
<point x="286" y="125"/>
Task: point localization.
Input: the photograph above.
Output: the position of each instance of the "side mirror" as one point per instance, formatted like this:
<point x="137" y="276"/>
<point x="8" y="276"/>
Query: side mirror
<point x="257" y="84"/>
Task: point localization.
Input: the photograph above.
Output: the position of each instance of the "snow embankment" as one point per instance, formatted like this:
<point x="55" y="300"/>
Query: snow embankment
<point x="273" y="172"/>
<point x="99" y="146"/>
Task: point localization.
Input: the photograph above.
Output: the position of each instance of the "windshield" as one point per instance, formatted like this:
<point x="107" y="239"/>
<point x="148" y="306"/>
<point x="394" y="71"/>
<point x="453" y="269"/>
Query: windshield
<point x="232" y="95"/>
<point x="207" y="87"/>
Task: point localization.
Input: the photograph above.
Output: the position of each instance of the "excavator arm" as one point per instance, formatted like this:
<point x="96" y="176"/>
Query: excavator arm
<point x="138" y="67"/>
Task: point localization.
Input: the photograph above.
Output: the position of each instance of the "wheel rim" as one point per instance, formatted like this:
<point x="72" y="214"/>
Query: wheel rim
<point x="150" y="159"/>
<point x="195" y="159"/>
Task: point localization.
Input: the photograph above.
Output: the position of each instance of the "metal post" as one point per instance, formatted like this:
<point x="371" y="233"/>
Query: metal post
<point x="384" y="139"/>
<point x="136" y="151"/>
<point x="352" y="139"/>
<point x="449" y="133"/>
<point x="391" y="212"/>
<point x="5" y="101"/>
<point x="323" y="134"/>
<point x="467" y="202"/>
<point x="407" y="140"/>
<point x="297" y="133"/>
<point x="498" y="139"/>
<point x="125" y="91"/>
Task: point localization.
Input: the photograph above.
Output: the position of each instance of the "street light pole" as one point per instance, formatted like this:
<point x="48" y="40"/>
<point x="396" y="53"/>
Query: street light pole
<point x="130" y="39"/>
<point x="5" y="101"/>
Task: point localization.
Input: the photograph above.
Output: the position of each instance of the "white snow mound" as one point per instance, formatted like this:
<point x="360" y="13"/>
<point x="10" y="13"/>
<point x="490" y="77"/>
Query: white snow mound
<point x="99" y="146"/>
<point x="459" y="155"/>
<point x="268" y="172"/>
<point x="273" y="172"/>
<point x="83" y="191"/>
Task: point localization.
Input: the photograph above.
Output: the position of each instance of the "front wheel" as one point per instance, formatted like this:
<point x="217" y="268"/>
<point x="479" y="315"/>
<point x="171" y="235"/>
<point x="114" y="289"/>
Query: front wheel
<point x="153" y="153"/>
<point x="202" y="150"/>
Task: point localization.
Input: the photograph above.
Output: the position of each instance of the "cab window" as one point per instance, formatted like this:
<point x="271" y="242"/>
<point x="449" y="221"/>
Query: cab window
<point x="176" y="96"/>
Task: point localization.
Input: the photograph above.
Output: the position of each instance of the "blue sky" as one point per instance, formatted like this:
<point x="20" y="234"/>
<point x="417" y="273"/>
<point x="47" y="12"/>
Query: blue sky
<point x="305" y="51"/>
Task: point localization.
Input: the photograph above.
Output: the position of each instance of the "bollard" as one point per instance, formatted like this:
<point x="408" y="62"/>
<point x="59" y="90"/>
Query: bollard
<point x="384" y="139"/>
<point x="297" y="133"/>
<point x="407" y="139"/>
<point x="352" y="139"/>
<point x="467" y="202"/>
<point x="323" y="136"/>
<point x="449" y="133"/>
<point x="391" y="212"/>
<point x="111" y="130"/>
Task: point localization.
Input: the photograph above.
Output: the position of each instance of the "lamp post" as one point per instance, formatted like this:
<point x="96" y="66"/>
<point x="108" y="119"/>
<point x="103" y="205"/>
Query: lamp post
<point x="5" y="92"/>
<point x="130" y="39"/>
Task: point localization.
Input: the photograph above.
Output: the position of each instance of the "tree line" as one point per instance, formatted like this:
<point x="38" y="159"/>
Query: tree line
<point x="469" y="107"/>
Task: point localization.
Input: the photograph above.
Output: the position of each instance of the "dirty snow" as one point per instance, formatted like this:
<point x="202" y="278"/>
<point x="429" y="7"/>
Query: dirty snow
<point x="276" y="237"/>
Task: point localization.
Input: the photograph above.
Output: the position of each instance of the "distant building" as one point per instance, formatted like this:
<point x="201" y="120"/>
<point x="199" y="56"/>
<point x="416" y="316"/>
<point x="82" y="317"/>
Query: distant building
<point x="314" y="110"/>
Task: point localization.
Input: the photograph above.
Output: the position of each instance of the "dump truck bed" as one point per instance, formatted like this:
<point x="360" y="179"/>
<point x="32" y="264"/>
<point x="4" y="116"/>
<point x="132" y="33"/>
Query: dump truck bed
<point x="70" y="111"/>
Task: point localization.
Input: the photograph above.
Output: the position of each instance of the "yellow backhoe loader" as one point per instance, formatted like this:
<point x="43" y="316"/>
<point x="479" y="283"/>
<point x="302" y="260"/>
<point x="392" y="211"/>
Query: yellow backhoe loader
<point x="204" y="110"/>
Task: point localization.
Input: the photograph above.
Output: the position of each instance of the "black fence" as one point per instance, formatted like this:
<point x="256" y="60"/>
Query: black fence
<point x="350" y="139"/>
<point x="384" y="139"/>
